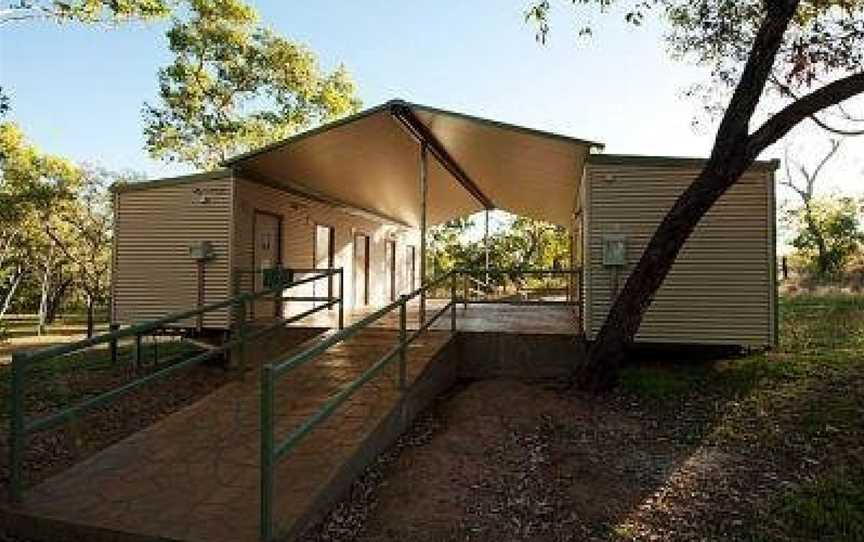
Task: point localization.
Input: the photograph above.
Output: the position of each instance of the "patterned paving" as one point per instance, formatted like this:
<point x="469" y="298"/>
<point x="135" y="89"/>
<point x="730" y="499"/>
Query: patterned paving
<point x="194" y="475"/>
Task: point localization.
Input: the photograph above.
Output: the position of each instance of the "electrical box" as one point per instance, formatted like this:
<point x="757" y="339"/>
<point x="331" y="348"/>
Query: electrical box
<point x="201" y="250"/>
<point x="614" y="250"/>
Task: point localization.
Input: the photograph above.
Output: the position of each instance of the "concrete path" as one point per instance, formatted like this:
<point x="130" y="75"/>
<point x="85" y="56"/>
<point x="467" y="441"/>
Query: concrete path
<point x="195" y="475"/>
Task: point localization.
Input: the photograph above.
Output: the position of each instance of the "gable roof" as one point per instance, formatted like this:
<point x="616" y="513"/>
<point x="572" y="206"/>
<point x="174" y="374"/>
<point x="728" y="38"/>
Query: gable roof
<point x="371" y="160"/>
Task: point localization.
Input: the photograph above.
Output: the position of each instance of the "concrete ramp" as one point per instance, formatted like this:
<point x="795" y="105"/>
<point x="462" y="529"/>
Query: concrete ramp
<point x="195" y="475"/>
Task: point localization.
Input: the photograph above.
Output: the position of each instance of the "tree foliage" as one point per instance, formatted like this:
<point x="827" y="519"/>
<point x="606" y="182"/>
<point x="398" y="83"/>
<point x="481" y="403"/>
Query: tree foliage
<point x="828" y="233"/>
<point x="235" y="85"/>
<point x="518" y="243"/>
<point x="55" y="229"/>
<point x="85" y="11"/>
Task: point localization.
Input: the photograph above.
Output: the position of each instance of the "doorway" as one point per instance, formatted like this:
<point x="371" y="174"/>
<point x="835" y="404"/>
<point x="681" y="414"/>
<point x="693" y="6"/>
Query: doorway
<point x="390" y="263"/>
<point x="410" y="268"/>
<point x="266" y="254"/>
<point x="323" y="257"/>
<point x="361" y="269"/>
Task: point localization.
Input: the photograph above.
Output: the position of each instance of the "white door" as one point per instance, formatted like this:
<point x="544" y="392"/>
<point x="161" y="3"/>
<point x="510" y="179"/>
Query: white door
<point x="267" y="256"/>
<point x="390" y="263"/>
<point x="324" y="255"/>
<point x="361" y="270"/>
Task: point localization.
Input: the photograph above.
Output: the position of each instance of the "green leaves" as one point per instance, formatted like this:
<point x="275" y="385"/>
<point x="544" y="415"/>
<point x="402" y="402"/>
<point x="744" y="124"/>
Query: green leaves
<point x="87" y="11"/>
<point x="836" y="219"/>
<point x="30" y="180"/>
<point x="235" y="85"/>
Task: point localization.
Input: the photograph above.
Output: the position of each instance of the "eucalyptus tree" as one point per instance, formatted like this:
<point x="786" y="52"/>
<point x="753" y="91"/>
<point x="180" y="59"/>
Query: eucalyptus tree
<point x="817" y="221"/>
<point x="32" y="185"/>
<point x="234" y="85"/>
<point x="806" y="57"/>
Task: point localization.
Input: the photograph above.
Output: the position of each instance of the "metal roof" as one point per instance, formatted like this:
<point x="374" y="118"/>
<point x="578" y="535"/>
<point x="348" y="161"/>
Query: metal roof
<point x="371" y="160"/>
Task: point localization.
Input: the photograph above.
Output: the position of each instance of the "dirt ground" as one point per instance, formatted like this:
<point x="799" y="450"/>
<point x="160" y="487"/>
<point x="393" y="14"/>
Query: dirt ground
<point x="501" y="460"/>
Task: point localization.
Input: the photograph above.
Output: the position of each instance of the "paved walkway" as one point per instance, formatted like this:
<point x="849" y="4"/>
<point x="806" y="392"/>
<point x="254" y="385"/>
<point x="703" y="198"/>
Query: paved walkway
<point x="195" y="476"/>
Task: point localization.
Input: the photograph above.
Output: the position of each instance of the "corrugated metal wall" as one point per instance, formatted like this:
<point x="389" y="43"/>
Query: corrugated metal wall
<point x="299" y="217"/>
<point x="721" y="288"/>
<point x="154" y="274"/>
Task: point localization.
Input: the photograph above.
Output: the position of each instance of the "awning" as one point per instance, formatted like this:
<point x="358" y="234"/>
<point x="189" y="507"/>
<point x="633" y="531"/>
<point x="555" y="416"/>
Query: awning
<point x="371" y="161"/>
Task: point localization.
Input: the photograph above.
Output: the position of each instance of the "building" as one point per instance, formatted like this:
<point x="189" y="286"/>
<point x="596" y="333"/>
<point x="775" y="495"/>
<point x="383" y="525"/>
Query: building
<point x="359" y="194"/>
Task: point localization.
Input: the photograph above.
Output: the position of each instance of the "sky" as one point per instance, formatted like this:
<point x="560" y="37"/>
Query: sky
<point x="78" y="91"/>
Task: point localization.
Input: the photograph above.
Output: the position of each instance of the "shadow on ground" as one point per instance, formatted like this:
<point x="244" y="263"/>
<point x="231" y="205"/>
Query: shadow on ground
<point x="767" y="446"/>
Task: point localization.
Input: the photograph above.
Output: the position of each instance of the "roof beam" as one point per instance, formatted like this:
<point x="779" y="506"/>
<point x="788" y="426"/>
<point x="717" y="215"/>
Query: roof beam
<point x="421" y="132"/>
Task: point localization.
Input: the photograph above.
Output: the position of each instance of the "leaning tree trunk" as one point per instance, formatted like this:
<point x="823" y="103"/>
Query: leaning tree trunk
<point x="10" y="293"/>
<point x="609" y="349"/>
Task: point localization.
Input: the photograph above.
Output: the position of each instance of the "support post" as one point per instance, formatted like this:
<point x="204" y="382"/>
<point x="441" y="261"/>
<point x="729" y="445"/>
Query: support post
<point x="453" y="302"/>
<point x="277" y="295"/>
<point x="486" y="245"/>
<point x="240" y="326"/>
<point x="266" y="520"/>
<point x="424" y="192"/>
<point x="465" y="290"/>
<point x="341" y="298"/>
<point x="16" y="428"/>
<point x="571" y="283"/>
<point x="138" y="353"/>
<point x="403" y="334"/>
<point x="199" y="320"/>
<point x="113" y="328"/>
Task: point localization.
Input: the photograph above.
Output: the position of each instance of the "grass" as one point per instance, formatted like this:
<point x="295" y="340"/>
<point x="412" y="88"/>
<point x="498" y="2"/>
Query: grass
<point x="830" y="508"/>
<point x="802" y="403"/>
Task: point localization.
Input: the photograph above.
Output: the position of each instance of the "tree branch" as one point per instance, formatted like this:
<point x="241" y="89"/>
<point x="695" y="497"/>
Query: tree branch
<point x="760" y="62"/>
<point x="807" y="106"/>
<point x="822" y="124"/>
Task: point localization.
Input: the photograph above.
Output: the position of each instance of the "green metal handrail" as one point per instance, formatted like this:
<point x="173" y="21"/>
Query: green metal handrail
<point x="469" y="273"/>
<point x="271" y="451"/>
<point x="19" y="428"/>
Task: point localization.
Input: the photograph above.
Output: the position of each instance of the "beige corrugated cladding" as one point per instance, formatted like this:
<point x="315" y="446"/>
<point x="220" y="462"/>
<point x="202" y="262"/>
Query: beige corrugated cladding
<point x="371" y="161"/>
<point x="721" y="289"/>
<point x="153" y="273"/>
<point x="299" y="217"/>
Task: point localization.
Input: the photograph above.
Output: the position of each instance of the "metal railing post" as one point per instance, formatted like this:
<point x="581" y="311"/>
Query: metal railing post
<point x="113" y="344"/>
<point x="16" y="428"/>
<point x="240" y="313"/>
<point x="465" y="290"/>
<point x="266" y="520"/>
<point x="403" y="334"/>
<point x="453" y="302"/>
<point x="277" y="295"/>
<point x="136" y="362"/>
<point x="341" y="298"/>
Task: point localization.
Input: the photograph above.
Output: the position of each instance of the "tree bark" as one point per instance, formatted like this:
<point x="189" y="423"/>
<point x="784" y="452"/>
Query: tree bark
<point x="734" y="151"/>
<point x="55" y="299"/>
<point x="44" y="288"/>
<point x="90" y="326"/>
<point x="10" y="294"/>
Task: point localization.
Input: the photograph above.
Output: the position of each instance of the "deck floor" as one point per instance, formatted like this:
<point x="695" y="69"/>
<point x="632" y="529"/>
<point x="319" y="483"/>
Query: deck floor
<point x="557" y="319"/>
<point x="195" y="475"/>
